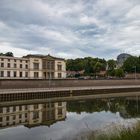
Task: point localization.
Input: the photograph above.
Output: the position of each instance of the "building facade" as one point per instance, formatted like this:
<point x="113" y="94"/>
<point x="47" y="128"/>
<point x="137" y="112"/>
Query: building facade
<point x="32" y="67"/>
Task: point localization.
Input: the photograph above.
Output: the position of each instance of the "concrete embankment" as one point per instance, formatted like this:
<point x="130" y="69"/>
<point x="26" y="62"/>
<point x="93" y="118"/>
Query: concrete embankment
<point x="67" y="93"/>
<point x="29" y="83"/>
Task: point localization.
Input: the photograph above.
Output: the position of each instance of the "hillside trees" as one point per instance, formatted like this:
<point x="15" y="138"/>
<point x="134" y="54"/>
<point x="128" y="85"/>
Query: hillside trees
<point x="132" y="64"/>
<point x="88" y="64"/>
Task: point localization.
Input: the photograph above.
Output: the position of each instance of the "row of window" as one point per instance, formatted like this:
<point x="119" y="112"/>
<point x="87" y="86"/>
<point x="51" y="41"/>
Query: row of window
<point x="14" y="66"/>
<point x="15" y="60"/>
<point x="36" y="66"/>
<point x="9" y="74"/>
<point x="25" y="107"/>
<point x="14" y="117"/>
<point x="15" y="74"/>
<point x="14" y="108"/>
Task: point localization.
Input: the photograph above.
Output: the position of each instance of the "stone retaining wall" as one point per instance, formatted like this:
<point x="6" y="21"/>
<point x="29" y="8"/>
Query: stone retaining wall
<point x="15" y="84"/>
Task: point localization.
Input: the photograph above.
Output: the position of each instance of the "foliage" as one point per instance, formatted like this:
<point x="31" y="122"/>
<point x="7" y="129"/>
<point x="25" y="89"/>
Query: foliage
<point x="88" y="64"/>
<point x="7" y="54"/>
<point x="131" y="64"/>
<point x="111" y="72"/>
<point x="119" y="72"/>
<point x="111" y="64"/>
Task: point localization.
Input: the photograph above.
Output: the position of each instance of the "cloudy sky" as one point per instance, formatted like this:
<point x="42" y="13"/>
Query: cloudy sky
<point x="70" y="28"/>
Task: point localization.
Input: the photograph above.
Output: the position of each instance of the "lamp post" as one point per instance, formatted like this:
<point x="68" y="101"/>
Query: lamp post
<point x="135" y="72"/>
<point x="49" y="74"/>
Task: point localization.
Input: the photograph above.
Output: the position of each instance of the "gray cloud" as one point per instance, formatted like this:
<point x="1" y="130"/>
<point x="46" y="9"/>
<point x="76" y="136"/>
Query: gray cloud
<point x="70" y="28"/>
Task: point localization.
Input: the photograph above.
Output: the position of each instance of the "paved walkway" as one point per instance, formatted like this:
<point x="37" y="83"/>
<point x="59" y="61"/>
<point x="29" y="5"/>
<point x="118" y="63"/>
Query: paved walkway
<point x="8" y="91"/>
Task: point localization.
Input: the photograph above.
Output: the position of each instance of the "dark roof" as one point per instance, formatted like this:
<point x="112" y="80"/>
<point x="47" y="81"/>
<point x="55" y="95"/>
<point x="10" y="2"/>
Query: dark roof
<point x="42" y="56"/>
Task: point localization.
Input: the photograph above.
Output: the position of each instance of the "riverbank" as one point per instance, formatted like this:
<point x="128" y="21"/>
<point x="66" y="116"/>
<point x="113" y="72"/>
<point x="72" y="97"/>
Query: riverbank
<point x="66" y="93"/>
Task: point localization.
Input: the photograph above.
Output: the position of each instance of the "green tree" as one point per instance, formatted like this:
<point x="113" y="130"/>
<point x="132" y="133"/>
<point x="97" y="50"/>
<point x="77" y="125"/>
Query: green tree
<point x="88" y="64"/>
<point x="9" y="54"/>
<point x="111" y="64"/>
<point x="119" y="72"/>
<point x="98" y="67"/>
<point x="131" y="63"/>
<point x="1" y="54"/>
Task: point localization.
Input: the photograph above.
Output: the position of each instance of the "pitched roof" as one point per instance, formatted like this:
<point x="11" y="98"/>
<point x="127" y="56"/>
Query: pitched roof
<point x="42" y="56"/>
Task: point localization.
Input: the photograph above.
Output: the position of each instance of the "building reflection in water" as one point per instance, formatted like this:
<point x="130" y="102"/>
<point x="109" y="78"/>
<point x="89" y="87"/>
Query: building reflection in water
<point x="32" y="115"/>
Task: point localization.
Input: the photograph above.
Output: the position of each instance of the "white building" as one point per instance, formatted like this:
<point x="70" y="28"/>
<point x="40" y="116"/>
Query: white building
<point x="32" y="67"/>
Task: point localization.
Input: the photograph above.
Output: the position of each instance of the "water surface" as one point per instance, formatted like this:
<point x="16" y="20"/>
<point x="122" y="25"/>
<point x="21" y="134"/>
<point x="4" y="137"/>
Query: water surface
<point x="65" y="120"/>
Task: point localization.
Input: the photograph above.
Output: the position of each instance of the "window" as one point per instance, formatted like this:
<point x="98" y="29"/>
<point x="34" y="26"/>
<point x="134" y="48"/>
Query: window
<point x="35" y="115"/>
<point x="59" y="103"/>
<point x="20" y="107"/>
<point x="20" y="65"/>
<point x="8" y="109"/>
<point x="8" y="73"/>
<point x="15" y="74"/>
<point x="20" y="116"/>
<point x="15" y="65"/>
<point x="36" y="65"/>
<point x="36" y="75"/>
<point x="8" y="60"/>
<point x="26" y="107"/>
<point x="59" y="67"/>
<point x="2" y="59"/>
<point x="48" y="105"/>
<point x="59" y="75"/>
<point x="26" y="61"/>
<point x="1" y="110"/>
<point x="14" y="108"/>
<point x="59" y="111"/>
<point x="44" y="105"/>
<point x="14" y="60"/>
<point x="26" y="74"/>
<point x="8" y="65"/>
<point x="35" y="106"/>
<point x="50" y="65"/>
<point x="2" y="74"/>
<point x="52" y="104"/>
<point x="0" y="119"/>
<point x="2" y="65"/>
<point x="26" y="66"/>
<point x="20" y="74"/>
<point x="14" y="117"/>
<point x="21" y="61"/>
<point x="25" y="115"/>
<point x="7" y="118"/>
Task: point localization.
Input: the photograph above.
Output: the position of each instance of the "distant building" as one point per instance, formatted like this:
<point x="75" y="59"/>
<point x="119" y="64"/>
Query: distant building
<point x="74" y="73"/>
<point x="32" y="67"/>
<point x="121" y="59"/>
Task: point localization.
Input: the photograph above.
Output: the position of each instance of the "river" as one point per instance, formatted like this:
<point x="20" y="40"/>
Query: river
<point x="69" y="120"/>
